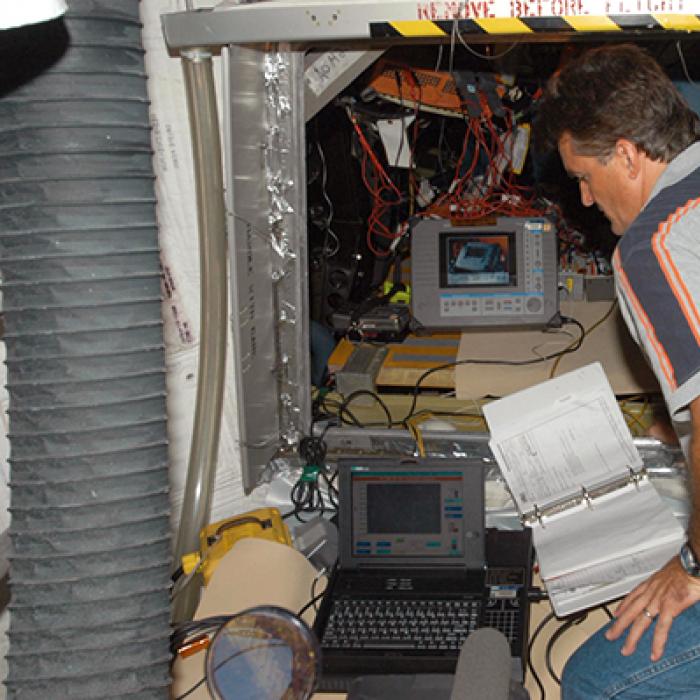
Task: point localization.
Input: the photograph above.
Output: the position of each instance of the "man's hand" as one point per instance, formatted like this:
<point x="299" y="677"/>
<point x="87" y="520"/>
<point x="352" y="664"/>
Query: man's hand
<point x="665" y="594"/>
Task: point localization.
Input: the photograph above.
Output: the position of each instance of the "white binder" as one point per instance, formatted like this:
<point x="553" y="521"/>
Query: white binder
<point x="599" y="526"/>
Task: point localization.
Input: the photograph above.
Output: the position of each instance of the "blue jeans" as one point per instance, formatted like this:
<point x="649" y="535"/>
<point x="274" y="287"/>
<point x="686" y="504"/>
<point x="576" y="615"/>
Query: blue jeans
<point x="598" y="671"/>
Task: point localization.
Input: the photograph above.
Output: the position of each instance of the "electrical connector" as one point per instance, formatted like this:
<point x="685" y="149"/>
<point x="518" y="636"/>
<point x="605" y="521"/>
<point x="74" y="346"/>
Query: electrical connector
<point x="537" y="594"/>
<point x="571" y="286"/>
<point x="192" y="646"/>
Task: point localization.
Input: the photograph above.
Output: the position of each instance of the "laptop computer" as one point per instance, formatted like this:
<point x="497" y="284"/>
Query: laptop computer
<point x="412" y="578"/>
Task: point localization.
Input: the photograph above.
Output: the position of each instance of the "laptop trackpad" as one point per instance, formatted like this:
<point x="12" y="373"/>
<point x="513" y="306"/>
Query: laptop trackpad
<point x="424" y="686"/>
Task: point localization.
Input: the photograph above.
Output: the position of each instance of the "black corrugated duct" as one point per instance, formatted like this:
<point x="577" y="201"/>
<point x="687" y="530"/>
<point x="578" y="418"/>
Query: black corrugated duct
<point x="79" y="263"/>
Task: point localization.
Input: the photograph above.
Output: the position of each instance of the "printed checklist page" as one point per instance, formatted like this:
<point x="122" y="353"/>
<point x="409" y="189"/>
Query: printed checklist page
<point x="555" y="439"/>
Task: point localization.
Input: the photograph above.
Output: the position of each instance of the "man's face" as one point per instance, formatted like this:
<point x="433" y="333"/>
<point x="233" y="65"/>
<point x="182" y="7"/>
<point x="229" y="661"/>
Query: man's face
<point x="607" y="185"/>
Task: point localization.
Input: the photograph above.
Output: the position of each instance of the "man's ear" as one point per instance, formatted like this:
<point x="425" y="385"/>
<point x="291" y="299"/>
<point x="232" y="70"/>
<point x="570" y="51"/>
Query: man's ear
<point x="630" y="156"/>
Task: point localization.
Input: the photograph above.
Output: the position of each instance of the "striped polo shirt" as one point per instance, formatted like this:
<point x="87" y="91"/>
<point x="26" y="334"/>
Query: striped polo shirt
<point x="657" y="274"/>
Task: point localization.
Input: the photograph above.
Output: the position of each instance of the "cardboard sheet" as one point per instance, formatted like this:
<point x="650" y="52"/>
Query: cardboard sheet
<point x="610" y="344"/>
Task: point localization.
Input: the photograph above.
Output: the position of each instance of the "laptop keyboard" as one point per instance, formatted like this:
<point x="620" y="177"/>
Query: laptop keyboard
<point x="400" y="624"/>
<point x="504" y="615"/>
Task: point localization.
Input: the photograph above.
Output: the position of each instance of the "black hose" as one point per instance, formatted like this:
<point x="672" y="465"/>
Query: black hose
<point x="80" y="270"/>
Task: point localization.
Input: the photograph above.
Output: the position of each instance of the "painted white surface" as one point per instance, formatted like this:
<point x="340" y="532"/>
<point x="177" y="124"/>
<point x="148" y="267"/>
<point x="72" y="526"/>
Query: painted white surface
<point x="18" y="14"/>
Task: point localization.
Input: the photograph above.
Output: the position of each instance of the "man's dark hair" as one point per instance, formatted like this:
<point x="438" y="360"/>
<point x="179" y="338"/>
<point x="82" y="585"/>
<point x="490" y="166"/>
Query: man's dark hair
<point x="615" y="92"/>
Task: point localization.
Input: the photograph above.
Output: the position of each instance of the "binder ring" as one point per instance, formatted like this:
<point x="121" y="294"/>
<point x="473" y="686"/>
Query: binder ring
<point x="636" y="477"/>
<point x="586" y="497"/>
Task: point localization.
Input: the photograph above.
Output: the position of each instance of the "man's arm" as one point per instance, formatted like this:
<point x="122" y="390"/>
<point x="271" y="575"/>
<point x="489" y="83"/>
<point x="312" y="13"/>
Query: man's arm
<point x="694" y="476"/>
<point x="669" y="591"/>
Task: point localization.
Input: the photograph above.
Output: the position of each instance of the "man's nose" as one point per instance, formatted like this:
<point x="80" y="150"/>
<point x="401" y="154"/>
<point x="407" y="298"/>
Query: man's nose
<point x="586" y="196"/>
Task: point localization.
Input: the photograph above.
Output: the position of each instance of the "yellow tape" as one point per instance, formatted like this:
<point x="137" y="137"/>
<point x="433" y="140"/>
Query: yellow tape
<point x="592" y="24"/>
<point x="418" y="27"/>
<point x="678" y="22"/>
<point x="514" y="25"/>
<point x="503" y="25"/>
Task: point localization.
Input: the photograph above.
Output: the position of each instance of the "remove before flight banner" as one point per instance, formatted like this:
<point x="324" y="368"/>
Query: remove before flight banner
<point x="484" y="9"/>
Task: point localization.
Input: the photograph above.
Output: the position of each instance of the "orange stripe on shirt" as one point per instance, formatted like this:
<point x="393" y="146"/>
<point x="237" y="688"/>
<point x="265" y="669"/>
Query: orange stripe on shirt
<point x="670" y="271"/>
<point x="664" y="362"/>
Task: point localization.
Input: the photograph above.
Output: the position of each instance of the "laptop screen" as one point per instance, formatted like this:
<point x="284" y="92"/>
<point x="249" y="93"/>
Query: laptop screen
<point x="411" y="512"/>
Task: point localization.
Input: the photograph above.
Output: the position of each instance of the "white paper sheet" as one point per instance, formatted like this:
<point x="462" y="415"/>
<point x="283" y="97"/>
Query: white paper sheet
<point x="552" y="439"/>
<point x="608" y="581"/>
<point x="396" y="141"/>
<point x="19" y="14"/>
<point x="615" y="570"/>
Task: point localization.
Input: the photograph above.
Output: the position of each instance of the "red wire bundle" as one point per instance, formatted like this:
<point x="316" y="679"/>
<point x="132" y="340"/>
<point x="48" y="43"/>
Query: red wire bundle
<point x="463" y="200"/>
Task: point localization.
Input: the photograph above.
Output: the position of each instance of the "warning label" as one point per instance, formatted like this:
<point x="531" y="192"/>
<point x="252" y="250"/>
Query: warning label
<point x="437" y="10"/>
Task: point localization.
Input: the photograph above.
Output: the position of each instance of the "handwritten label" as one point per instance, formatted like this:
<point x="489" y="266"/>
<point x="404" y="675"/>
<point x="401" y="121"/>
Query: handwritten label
<point x="171" y="298"/>
<point x="326" y="68"/>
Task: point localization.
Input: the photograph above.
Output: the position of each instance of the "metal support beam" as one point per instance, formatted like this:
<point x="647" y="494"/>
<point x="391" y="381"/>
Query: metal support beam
<point x="327" y="73"/>
<point x="275" y="21"/>
<point x="266" y="190"/>
<point x="313" y="22"/>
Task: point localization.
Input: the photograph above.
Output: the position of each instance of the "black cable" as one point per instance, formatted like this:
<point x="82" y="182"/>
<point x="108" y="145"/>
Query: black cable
<point x="342" y="410"/>
<point x="330" y="405"/>
<point x="194" y="628"/>
<point x="177" y="573"/>
<point x="181" y="585"/>
<point x="310" y="500"/>
<point x="345" y="415"/>
<point x="293" y="514"/>
<point x="312" y="450"/>
<point x="330" y="486"/>
<point x="313" y="601"/>
<point x="578" y="619"/>
<point x="366" y="392"/>
<point x="579" y="325"/>
<point x="537" y="594"/>
<point x="530" y="665"/>
<point x="314" y="595"/>
<point x="552" y="640"/>
<point x="189" y="692"/>
<point x="306" y="496"/>
<point x="365" y="110"/>
<point x="513" y="363"/>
